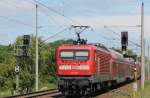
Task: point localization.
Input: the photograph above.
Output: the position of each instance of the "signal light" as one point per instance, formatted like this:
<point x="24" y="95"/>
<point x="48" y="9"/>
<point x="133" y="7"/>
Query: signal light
<point x="124" y="41"/>
<point x="26" y="39"/>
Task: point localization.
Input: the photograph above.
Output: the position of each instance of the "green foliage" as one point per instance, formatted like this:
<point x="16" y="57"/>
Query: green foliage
<point x="144" y="93"/>
<point x="47" y="59"/>
<point x="6" y="75"/>
<point x="6" y="67"/>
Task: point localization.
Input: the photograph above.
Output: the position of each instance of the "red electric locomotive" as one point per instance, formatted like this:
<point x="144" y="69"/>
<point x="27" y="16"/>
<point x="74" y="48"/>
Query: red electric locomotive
<point x="83" y="69"/>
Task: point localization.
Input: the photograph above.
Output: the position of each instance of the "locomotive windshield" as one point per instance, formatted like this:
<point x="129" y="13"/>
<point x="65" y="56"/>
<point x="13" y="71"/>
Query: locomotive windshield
<point x="67" y="54"/>
<point x="75" y="54"/>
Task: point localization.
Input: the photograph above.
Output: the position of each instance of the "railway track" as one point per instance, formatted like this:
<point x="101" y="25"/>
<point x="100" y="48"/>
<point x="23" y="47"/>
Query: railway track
<point x="39" y="94"/>
<point x="54" y="93"/>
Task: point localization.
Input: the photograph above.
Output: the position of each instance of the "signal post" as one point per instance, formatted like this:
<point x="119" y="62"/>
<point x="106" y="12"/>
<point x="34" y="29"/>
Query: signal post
<point x="21" y="51"/>
<point x="124" y="45"/>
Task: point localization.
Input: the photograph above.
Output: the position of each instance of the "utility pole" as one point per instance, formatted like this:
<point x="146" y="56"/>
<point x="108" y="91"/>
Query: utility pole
<point x="148" y="64"/>
<point x="144" y="59"/>
<point x="142" y="48"/>
<point x="36" y="62"/>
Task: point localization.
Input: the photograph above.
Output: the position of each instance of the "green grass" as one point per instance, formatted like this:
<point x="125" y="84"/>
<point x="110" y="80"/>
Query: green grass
<point x="47" y="83"/>
<point x="146" y="92"/>
<point x="4" y="93"/>
<point x="47" y="86"/>
<point x="43" y="85"/>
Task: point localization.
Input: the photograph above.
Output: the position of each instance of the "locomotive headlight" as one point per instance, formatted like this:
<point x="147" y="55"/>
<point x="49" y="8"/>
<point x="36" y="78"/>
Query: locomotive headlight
<point x="69" y="67"/>
<point x="65" y="67"/>
<point x="83" y="67"/>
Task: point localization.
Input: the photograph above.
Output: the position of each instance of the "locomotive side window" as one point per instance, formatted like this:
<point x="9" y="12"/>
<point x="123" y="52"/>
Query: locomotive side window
<point x="67" y="54"/>
<point x="81" y="55"/>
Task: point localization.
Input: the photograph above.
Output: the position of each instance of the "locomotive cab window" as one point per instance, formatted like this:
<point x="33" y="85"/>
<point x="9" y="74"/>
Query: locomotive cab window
<point x="74" y="54"/>
<point x="66" y="54"/>
<point x="81" y="55"/>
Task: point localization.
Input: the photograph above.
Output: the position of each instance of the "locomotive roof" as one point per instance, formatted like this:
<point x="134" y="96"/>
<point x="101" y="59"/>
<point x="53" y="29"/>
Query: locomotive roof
<point x="113" y="53"/>
<point x="67" y="46"/>
<point x="116" y="54"/>
<point x="99" y="46"/>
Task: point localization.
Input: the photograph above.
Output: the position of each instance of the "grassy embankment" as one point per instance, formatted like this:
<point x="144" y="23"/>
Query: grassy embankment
<point x="128" y="92"/>
<point x="43" y="85"/>
<point x="146" y="92"/>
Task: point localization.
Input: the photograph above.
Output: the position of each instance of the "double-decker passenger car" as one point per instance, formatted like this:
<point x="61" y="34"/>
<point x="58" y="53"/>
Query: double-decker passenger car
<point x="83" y="69"/>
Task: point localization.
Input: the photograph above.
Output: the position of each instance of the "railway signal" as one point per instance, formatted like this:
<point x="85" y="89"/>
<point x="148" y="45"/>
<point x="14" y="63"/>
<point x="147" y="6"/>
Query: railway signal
<point x="21" y="51"/>
<point x="124" y="42"/>
<point x="26" y="42"/>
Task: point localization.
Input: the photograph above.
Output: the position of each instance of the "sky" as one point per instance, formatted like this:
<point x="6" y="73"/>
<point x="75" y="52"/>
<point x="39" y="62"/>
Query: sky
<point x="18" y="18"/>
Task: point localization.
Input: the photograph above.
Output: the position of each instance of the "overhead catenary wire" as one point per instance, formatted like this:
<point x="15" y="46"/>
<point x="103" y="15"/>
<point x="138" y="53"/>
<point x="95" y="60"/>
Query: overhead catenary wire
<point x="49" y="16"/>
<point x="29" y="1"/>
<point x="119" y="36"/>
<point x="45" y="13"/>
<point x="7" y="2"/>
<point x="69" y="19"/>
<point x="104" y="37"/>
<point x="116" y="38"/>
<point x="55" y="11"/>
<point x="16" y="21"/>
<point x="69" y="6"/>
<point x="42" y="10"/>
<point x="54" y="20"/>
<point x="52" y="36"/>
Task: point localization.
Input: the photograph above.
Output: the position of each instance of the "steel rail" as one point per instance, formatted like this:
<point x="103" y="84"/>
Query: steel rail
<point x="35" y="94"/>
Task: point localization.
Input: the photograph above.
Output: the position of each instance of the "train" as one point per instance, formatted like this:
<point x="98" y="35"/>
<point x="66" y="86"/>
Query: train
<point x="84" y="69"/>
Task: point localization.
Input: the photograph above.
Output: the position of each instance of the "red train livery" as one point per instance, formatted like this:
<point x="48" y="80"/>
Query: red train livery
<point x="83" y="69"/>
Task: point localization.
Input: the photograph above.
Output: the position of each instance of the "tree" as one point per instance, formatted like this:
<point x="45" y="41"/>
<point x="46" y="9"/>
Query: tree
<point x="47" y="59"/>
